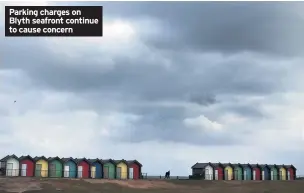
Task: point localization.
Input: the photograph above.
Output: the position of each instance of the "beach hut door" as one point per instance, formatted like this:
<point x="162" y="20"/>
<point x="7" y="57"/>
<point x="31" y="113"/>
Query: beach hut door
<point x="272" y="175"/>
<point x="23" y="169"/>
<point x="245" y="175"/>
<point x="131" y="171"/>
<point x="53" y="170"/>
<point x="263" y="175"/>
<point x="38" y="170"/>
<point x="207" y="174"/>
<point x="226" y="175"/>
<point x="66" y="171"/>
<point x="118" y="172"/>
<point x="79" y="171"/>
<point x="9" y="169"/>
<point x="93" y="172"/>
<point x="106" y="172"/>
<point x="254" y="173"/>
<point x="288" y="175"/>
<point x="216" y="174"/>
<point x="236" y="172"/>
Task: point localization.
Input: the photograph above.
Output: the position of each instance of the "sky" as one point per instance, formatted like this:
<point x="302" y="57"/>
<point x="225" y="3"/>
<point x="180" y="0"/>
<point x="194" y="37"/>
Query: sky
<point x="169" y="84"/>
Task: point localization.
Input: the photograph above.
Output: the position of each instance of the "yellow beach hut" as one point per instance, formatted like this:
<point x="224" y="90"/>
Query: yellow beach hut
<point x="121" y="169"/>
<point x="282" y="172"/>
<point x="41" y="166"/>
<point x="228" y="171"/>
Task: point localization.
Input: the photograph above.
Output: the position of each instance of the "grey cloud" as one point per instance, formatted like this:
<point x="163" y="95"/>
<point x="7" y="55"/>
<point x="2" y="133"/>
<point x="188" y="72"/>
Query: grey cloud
<point x="202" y="98"/>
<point x="246" y="111"/>
<point x="165" y="127"/>
<point x="133" y="81"/>
<point x="190" y="80"/>
<point x="193" y="78"/>
<point x="228" y="27"/>
<point x="166" y="124"/>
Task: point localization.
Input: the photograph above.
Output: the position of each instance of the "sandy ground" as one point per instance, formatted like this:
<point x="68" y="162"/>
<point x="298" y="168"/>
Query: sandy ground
<point x="36" y="185"/>
<point x="138" y="184"/>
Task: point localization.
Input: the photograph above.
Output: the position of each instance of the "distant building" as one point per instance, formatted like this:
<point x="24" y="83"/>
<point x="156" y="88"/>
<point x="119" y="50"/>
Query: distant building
<point x="231" y="171"/>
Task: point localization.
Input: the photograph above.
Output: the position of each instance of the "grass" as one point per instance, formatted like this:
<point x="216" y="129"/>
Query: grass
<point x="36" y="185"/>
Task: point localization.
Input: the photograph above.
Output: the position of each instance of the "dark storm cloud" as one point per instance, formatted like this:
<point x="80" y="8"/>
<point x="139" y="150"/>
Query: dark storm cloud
<point x="265" y="27"/>
<point x="196" y="81"/>
<point x="200" y="83"/>
<point x="200" y="26"/>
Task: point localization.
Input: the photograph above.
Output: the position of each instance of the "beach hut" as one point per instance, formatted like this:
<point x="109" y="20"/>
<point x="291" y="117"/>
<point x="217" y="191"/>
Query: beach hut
<point x="3" y="166"/>
<point x="273" y="172"/>
<point x="134" y="169"/>
<point x="218" y="171"/>
<point x="265" y="169"/>
<point x="198" y="169"/>
<point x="27" y="165"/>
<point x="209" y="170"/>
<point x="238" y="171"/>
<point x="69" y="167"/>
<point x="247" y="171"/>
<point x="121" y="169"/>
<point x="282" y="172"/>
<point x="228" y="171"/>
<point x="291" y="172"/>
<point x="95" y="168"/>
<point x="12" y="165"/>
<point x="55" y="167"/>
<point x="109" y="168"/>
<point x="41" y="166"/>
<point x="83" y="167"/>
<point x="256" y="172"/>
<point x="204" y="169"/>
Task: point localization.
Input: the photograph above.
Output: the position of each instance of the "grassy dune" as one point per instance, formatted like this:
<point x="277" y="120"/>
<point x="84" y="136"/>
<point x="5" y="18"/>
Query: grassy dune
<point x="34" y="185"/>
